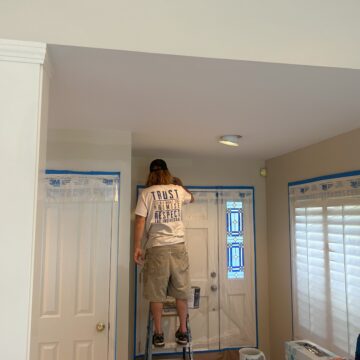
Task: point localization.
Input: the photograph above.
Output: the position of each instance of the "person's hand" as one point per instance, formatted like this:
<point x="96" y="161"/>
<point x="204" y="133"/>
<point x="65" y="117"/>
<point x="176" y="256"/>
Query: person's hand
<point x="177" y="181"/>
<point x="138" y="256"/>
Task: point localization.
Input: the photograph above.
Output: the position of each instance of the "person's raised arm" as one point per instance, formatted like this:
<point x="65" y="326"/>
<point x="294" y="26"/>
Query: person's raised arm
<point x="138" y="234"/>
<point x="177" y="181"/>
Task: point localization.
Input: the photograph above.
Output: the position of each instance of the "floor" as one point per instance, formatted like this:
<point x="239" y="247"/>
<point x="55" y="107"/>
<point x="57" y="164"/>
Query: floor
<point x="221" y="355"/>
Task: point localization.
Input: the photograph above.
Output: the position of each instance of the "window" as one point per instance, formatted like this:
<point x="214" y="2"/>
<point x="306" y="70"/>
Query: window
<point x="235" y="239"/>
<point x="325" y="237"/>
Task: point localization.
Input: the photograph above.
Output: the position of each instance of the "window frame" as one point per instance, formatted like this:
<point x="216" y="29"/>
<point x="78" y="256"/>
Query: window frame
<point x="324" y="203"/>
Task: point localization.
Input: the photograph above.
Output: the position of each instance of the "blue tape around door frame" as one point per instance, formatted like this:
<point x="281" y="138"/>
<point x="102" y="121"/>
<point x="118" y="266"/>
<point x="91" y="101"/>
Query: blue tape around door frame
<point x="138" y="187"/>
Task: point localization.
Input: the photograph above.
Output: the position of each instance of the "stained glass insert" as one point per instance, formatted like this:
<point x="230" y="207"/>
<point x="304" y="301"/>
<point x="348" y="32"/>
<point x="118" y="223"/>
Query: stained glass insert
<point x="235" y="239"/>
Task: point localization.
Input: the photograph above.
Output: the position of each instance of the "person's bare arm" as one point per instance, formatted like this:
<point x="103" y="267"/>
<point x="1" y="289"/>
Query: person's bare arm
<point x="177" y="181"/>
<point x="138" y="234"/>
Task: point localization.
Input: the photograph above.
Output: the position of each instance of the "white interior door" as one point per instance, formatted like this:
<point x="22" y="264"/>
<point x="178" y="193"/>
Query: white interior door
<point x="72" y="279"/>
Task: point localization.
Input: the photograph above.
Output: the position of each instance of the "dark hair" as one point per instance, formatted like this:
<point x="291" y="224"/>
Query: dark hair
<point x="159" y="177"/>
<point x="158" y="164"/>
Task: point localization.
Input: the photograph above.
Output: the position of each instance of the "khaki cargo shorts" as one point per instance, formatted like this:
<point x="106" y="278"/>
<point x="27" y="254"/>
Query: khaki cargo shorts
<point x="166" y="273"/>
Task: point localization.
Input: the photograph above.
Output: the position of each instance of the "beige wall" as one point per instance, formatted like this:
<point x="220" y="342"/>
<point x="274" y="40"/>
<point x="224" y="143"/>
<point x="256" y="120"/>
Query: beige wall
<point x="322" y="32"/>
<point x="224" y="172"/>
<point x="335" y="155"/>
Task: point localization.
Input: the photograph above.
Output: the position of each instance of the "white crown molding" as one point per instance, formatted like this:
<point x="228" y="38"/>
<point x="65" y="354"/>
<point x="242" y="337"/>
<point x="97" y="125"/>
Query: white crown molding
<point x="22" y="51"/>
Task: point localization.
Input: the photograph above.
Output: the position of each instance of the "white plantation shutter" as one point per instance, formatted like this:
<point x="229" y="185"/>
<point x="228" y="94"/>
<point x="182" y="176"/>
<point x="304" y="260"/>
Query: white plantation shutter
<point x="310" y="273"/>
<point x="351" y="249"/>
<point x="338" y="298"/>
<point x="325" y="236"/>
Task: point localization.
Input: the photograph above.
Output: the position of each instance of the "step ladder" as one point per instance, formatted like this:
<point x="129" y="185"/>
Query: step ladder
<point x="187" y="349"/>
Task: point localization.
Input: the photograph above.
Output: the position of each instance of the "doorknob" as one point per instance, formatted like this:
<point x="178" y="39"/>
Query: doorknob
<point x="213" y="274"/>
<point x="213" y="287"/>
<point x="100" y="326"/>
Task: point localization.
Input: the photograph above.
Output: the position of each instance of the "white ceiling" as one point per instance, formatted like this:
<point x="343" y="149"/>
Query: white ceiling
<point x="178" y="106"/>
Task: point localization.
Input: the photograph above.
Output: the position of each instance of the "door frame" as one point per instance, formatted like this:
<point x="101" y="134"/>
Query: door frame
<point x="213" y="188"/>
<point x="114" y="249"/>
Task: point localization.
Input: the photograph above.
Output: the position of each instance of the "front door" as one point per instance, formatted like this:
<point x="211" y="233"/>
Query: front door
<point x="72" y="276"/>
<point x="220" y="240"/>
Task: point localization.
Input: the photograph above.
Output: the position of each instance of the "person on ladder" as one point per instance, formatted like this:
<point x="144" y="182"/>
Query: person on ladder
<point x="166" y="264"/>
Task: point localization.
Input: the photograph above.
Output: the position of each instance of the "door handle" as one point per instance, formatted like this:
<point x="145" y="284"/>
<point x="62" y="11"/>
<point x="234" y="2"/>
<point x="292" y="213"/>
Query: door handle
<point x="213" y="274"/>
<point x="213" y="287"/>
<point x="100" y="327"/>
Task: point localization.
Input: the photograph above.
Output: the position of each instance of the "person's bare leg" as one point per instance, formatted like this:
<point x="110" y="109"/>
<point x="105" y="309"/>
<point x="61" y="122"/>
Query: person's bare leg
<point x="156" y="311"/>
<point x="182" y="310"/>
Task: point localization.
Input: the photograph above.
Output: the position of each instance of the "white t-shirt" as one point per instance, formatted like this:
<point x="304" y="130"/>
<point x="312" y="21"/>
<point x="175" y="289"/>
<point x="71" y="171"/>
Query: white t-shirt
<point x="162" y="207"/>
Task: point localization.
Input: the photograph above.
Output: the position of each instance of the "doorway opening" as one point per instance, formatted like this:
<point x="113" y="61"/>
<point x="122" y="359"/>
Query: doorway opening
<point x="220" y="238"/>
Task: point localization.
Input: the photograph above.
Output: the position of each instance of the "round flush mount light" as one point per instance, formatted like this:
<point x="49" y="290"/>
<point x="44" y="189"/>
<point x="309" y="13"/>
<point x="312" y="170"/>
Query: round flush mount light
<point x="230" y="140"/>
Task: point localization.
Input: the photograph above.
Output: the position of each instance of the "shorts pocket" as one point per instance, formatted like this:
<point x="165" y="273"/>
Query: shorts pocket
<point x="182" y="261"/>
<point x="154" y="264"/>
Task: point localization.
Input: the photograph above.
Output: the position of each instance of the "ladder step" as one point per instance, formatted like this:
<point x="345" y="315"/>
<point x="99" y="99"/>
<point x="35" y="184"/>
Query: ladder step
<point x="187" y="349"/>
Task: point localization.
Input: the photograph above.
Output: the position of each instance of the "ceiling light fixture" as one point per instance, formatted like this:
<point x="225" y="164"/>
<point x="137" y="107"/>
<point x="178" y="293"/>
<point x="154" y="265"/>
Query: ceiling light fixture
<point x="230" y="140"/>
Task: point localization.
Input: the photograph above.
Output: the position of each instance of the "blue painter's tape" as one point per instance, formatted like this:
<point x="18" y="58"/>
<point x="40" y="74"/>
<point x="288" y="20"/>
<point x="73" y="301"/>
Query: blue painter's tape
<point x="255" y="273"/>
<point x="135" y="313"/>
<point x="117" y="274"/>
<point x="74" y="172"/>
<point x="325" y="177"/>
<point x="291" y="271"/>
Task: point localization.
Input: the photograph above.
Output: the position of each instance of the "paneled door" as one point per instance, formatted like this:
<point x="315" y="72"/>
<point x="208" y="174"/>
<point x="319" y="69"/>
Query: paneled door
<point x="200" y="220"/>
<point x="72" y="281"/>
<point x="220" y="241"/>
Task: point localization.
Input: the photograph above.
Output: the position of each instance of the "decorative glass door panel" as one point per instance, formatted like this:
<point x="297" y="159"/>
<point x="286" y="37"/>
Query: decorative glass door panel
<point x="236" y="269"/>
